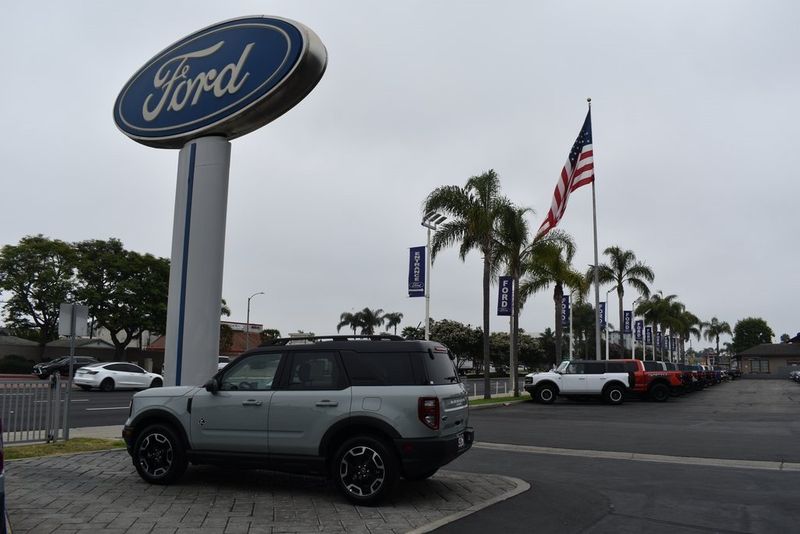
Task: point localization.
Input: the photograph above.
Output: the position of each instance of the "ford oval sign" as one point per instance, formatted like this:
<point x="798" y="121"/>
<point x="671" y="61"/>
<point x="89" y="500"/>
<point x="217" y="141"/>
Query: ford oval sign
<point x="228" y="80"/>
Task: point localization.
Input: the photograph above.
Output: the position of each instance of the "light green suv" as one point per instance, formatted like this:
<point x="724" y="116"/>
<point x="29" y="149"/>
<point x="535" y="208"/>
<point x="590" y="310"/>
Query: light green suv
<point x="363" y="410"/>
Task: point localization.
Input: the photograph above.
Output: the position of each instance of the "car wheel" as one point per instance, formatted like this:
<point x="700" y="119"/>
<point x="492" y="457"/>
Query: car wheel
<point x="659" y="392"/>
<point x="158" y="455"/>
<point x="614" y="394"/>
<point x="546" y="394"/>
<point x="107" y="385"/>
<point x="365" y="470"/>
<point x="156" y="383"/>
<point x="86" y="388"/>
<point x="422" y="476"/>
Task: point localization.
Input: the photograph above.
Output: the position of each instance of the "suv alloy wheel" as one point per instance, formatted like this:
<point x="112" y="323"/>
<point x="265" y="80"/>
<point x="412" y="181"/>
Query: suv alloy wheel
<point x="365" y="469"/>
<point x="614" y="394"/>
<point x="158" y="455"/>
<point x="546" y="394"/>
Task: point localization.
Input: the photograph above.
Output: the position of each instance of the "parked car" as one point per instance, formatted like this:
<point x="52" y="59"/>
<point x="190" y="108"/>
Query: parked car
<point x="108" y="376"/>
<point x="61" y="366"/>
<point x="363" y="410"/>
<point x="581" y="378"/>
<point x="222" y="362"/>
<point x="651" y="380"/>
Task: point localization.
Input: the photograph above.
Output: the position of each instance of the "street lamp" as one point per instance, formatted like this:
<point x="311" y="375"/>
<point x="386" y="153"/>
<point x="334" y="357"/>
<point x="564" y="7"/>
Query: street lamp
<point x="247" y="327"/>
<point x="606" y="325"/>
<point x="431" y="221"/>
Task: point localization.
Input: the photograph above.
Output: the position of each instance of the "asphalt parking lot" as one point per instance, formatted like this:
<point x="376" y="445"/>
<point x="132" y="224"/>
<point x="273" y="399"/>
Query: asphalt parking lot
<point x="720" y="460"/>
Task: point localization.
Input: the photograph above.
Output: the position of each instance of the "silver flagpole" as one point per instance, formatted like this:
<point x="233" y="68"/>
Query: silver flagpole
<point x="596" y="262"/>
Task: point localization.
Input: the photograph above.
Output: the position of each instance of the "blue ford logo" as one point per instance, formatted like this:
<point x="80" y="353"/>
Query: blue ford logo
<point x="228" y="79"/>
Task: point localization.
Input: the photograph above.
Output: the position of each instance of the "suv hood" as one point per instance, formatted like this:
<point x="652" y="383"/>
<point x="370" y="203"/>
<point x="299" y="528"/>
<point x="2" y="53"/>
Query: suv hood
<point x="174" y="391"/>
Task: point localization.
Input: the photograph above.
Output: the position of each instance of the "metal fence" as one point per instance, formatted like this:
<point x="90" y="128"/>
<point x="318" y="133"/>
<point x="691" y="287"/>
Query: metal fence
<point x="32" y="410"/>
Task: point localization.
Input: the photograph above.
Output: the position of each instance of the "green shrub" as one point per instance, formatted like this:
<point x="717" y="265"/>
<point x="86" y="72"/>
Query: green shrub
<point x="16" y="365"/>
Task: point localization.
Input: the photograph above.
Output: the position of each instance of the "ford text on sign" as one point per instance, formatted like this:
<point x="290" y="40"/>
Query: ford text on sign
<point x="228" y="80"/>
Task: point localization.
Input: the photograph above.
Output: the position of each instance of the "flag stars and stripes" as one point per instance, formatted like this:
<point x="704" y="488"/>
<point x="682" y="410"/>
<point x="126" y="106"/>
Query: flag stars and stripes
<point x="577" y="172"/>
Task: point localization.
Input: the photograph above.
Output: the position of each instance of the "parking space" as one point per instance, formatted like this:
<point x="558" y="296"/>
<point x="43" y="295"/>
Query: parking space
<point x="102" y="492"/>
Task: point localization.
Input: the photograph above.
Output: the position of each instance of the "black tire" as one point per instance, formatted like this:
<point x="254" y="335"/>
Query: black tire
<point x="614" y="394"/>
<point x="365" y="469"/>
<point x="422" y="476"/>
<point x="86" y="388"/>
<point x="156" y="383"/>
<point x="107" y="385"/>
<point x="545" y="394"/>
<point x="659" y="392"/>
<point x="158" y="455"/>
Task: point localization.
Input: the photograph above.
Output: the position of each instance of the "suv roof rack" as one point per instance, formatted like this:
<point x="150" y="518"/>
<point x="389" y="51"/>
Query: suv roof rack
<point x="315" y="339"/>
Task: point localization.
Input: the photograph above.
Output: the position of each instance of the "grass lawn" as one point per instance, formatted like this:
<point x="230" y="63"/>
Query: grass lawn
<point x="16" y="452"/>
<point x="497" y="400"/>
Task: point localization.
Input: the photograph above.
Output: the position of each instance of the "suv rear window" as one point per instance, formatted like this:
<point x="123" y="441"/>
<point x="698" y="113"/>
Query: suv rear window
<point x="379" y="368"/>
<point x="439" y="368"/>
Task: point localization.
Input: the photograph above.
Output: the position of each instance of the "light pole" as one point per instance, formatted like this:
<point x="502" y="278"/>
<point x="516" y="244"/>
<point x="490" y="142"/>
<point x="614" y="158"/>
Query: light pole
<point x="247" y="327"/>
<point x="607" y="314"/>
<point x="431" y="221"/>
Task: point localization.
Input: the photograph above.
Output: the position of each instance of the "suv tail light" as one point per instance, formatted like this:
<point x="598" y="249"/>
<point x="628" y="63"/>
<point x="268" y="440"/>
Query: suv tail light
<point x="428" y="412"/>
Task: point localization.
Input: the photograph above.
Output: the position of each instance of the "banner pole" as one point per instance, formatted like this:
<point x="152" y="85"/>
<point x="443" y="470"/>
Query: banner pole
<point x="428" y="288"/>
<point x="571" y="346"/>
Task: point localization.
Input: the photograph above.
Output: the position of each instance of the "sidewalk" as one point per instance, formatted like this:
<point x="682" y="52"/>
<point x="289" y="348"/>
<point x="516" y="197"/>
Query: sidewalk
<point x="101" y="491"/>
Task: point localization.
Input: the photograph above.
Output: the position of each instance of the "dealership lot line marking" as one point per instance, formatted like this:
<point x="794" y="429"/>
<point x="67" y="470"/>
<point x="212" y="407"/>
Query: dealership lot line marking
<point x="108" y="408"/>
<point x="639" y="457"/>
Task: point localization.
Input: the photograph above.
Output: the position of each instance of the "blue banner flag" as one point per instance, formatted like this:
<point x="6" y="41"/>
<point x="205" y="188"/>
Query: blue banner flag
<point x="416" y="272"/>
<point x="648" y="335"/>
<point x="627" y="319"/>
<point x="565" y="310"/>
<point x="672" y="344"/>
<point x="602" y="315"/>
<point x="658" y="340"/>
<point x="638" y="326"/>
<point x="504" y="296"/>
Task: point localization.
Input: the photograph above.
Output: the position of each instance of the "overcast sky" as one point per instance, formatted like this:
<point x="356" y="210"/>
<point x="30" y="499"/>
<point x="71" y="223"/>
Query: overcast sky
<point x="694" y="105"/>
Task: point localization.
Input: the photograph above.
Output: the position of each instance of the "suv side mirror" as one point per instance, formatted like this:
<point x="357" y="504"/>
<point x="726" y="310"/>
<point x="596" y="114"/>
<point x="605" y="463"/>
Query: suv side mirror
<point x="212" y="386"/>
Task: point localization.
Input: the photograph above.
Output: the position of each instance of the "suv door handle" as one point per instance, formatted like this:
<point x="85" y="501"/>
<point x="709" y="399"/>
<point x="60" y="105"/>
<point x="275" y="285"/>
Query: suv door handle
<point x="327" y="403"/>
<point x="251" y="402"/>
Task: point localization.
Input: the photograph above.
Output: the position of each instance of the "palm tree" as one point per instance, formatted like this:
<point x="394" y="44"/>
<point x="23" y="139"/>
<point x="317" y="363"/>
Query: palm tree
<point x="392" y="320"/>
<point x="370" y="319"/>
<point x="351" y="320"/>
<point x="552" y="265"/>
<point x="473" y="212"/>
<point x="658" y="310"/>
<point x="623" y="269"/>
<point x="713" y="329"/>
<point x="688" y="325"/>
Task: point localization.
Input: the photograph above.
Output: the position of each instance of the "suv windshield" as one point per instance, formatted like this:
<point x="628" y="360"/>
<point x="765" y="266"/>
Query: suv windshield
<point x="563" y="365"/>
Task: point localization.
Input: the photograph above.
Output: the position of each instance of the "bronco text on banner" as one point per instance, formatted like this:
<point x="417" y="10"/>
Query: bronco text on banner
<point x="416" y="272"/>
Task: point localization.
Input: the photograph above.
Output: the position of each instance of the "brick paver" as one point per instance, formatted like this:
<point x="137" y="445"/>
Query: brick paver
<point x="101" y="492"/>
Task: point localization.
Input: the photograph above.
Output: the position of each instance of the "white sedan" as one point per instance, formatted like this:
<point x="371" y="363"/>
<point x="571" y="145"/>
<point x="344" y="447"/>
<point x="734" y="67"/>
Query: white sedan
<point x="109" y="376"/>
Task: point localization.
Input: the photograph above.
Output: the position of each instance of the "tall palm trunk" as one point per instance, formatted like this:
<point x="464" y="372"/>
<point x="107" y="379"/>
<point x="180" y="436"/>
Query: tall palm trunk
<point x="487" y="391"/>
<point x="558" y="294"/>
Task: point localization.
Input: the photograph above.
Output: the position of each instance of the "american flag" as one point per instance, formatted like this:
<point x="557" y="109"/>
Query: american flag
<point x="577" y="171"/>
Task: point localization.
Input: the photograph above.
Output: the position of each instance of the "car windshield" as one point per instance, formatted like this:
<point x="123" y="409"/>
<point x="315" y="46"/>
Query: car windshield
<point x="563" y="365"/>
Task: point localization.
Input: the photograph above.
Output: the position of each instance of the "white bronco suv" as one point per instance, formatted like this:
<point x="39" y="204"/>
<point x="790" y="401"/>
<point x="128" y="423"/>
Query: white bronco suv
<point x="363" y="410"/>
<point x="580" y="378"/>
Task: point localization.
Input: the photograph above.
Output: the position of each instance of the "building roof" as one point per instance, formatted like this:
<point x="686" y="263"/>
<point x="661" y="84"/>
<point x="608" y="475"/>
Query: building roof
<point x="18" y="341"/>
<point x="94" y="343"/>
<point x="238" y="343"/>
<point x="773" y="349"/>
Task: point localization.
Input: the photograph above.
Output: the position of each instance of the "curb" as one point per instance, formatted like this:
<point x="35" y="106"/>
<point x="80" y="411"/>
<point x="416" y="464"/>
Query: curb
<point x="520" y="487"/>
<point x="497" y="404"/>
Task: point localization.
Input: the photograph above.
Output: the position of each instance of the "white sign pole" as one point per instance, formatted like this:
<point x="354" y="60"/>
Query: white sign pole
<point x="198" y="250"/>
